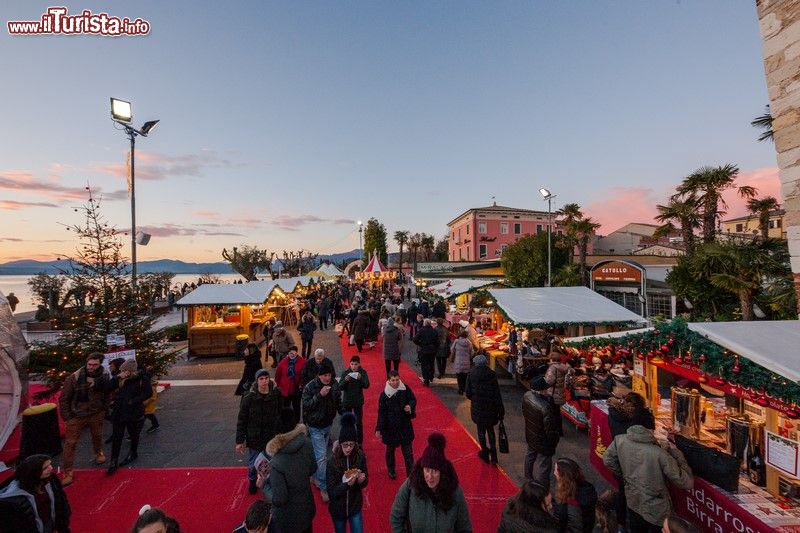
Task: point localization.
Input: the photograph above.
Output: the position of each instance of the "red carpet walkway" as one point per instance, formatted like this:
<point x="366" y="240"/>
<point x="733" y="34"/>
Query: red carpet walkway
<point x="216" y="499"/>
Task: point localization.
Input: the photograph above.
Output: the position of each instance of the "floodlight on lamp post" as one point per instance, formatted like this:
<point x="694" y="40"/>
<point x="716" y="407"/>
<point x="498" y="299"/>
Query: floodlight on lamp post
<point x="122" y="114"/>
<point x="547" y="195"/>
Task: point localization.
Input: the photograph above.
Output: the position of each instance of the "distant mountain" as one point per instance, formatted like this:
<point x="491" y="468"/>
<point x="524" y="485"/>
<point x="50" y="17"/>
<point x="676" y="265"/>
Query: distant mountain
<point x="29" y="267"/>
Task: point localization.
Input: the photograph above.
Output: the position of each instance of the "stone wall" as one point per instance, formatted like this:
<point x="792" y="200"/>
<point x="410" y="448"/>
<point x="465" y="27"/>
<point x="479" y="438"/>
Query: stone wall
<point x="779" y="21"/>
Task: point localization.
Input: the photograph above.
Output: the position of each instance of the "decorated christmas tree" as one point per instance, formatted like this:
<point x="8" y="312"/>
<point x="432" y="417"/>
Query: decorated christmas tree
<point x="112" y="308"/>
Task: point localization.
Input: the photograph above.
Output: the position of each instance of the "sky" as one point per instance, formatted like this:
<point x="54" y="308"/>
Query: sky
<point x="282" y="123"/>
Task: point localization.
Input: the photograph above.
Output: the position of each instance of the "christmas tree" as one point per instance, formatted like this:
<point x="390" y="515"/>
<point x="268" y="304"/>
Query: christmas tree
<point x="101" y="270"/>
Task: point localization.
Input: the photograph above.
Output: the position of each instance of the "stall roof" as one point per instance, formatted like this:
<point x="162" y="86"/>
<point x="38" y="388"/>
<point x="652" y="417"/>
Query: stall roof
<point x="453" y="287"/>
<point x="772" y="344"/>
<point x="253" y="292"/>
<point x="561" y="305"/>
<point x="331" y="270"/>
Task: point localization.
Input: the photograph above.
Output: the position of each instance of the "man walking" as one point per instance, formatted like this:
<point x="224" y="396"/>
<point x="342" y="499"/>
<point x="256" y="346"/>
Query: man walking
<point x="257" y="423"/>
<point x="427" y="341"/>
<point x="352" y="384"/>
<point x="321" y="402"/>
<point x="392" y="344"/>
<point x="82" y="405"/>
<point x="542" y="433"/>
<point x="281" y="342"/>
<point x="486" y="406"/>
<point x="312" y="366"/>
<point x="306" y="329"/>
<point x="289" y="377"/>
<point x="442" y="348"/>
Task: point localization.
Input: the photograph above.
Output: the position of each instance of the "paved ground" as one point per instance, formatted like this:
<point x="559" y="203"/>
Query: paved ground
<point x="198" y="416"/>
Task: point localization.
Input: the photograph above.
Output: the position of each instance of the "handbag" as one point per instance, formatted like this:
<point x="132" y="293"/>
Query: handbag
<point x="502" y="441"/>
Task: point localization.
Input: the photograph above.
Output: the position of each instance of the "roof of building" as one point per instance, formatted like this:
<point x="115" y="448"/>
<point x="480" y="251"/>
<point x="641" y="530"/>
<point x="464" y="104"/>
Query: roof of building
<point x="775" y="213"/>
<point x="499" y="209"/>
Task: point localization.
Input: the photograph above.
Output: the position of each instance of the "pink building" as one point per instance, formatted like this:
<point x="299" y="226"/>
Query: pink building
<point x="482" y="233"/>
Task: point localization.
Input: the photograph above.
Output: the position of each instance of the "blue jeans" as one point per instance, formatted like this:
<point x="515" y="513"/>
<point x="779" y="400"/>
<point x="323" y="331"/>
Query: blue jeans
<point x="356" y="524"/>
<point x="251" y="459"/>
<point x="319" y="440"/>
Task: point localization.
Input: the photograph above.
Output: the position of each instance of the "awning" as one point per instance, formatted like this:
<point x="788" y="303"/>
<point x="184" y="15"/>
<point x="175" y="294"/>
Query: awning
<point x="454" y="287"/>
<point x="561" y="305"/>
<point x="252" y="292"/>
<point x="773" y="344"/>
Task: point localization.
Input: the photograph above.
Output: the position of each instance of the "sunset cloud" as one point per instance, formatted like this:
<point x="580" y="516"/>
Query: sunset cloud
<point x="27" y="183"/>
<point x="766" y="180"/>
<point x="158" y="166"/>
<point x="13" y="205"/>
<point x="621" y="205"/>
<point x="293" y="223"/>
<point x="176" y="230"/>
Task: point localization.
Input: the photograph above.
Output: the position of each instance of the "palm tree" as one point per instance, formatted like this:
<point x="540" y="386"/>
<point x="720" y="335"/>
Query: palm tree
<point x="401" y="238"/>
<point x="764" y="122"/>
<point x="570" y="213"/>
<point x="414" y="244"/>
<point x="762" y="207"/>
<point x="682" y="211"/>
<point x="707" y="184"/>
<point x="584" y="230"/>
<point x="428" y="246"/>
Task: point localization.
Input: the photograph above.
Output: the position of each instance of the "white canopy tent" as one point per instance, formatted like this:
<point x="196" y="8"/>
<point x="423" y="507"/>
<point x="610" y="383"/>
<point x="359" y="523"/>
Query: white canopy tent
<point x="561" y="305"/>
<point x="454" y="287"/>
<point x="252" y="292"/>
<point x="331" y="270"/>
<point x="773" y="344"/>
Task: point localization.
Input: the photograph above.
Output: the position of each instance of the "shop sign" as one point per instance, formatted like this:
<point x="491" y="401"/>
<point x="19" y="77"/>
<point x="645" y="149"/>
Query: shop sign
<point x="782" y="454"/>
<point x="617" y="271"/>
<point x="714" y="512"/>
<point x="638" y="367"/>
<point x="115" y="340"/>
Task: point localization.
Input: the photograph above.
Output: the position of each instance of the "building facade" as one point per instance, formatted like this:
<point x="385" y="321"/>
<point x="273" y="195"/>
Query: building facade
<point x="749" y="225"/>
<point x="482" y="233"/>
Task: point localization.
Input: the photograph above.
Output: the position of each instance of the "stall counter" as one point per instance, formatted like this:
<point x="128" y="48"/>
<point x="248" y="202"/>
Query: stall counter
<point x="750" y="510"/>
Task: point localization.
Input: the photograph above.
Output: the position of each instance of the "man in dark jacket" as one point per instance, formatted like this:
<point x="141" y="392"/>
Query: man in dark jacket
<point x="396" y="408"/>
<point x="83" y="404"/>
<point x="486" y="406"/>
<point x="306" y="328"/>
<point x="258" y="418"/>
<point x="352" y="384"/>
<point x="360" y="329"/>
<point x="392" y="344"/>
<point x="427" y="341"/>
<point x="321" y="403"/>
<point x="128" y="414"/>
<point x="312" y="366"/>
<point x="542" y="432"/>
<point x="323" y="310"/>
<point x="439" y="309"/>
<point x="443" y="347"/>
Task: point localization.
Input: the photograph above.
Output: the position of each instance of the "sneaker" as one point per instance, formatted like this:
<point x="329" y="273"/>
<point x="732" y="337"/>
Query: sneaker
<point x="152" y="429"/>
<point x="324" y="495"/>
<point x="99" y="457"/>
<point x="112" y="468"/>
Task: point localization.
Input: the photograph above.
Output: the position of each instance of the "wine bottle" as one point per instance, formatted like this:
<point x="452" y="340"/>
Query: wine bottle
<point x="756" y="468"/>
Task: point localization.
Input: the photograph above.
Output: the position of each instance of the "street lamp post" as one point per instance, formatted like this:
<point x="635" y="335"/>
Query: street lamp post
<point x="547" y="195"/>
<point x="121" y="113"/>
<point x="360" y="231"/>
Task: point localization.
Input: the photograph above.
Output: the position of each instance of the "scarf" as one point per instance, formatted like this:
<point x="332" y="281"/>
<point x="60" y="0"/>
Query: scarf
<point x="84" y="383"/>
<point x="389" y="391"/>
<point x="290" y="369"/>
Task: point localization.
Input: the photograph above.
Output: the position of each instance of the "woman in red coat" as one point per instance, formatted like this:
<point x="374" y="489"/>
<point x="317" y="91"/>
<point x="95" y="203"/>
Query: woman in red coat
<point x="287" y="376"/>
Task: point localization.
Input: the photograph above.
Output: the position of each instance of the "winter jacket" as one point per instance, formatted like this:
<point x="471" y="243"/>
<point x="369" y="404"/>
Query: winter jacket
<point x="621" y="417"/>
<point x="311" y="369"/>
<point x="392" y="335"/>
<point x="542" y="426"/>
<point x="361" y="326"/>
<point x="252" y="364"/>
<point x="427" y="341"/>
<point x="258" y="416"/>
<point x="472" y="335"/>
<point x="76" y="385"/>
<point x="577" y="515"/>
<point x="290" y="385"/>
<point x="20" y="513"/>
<point x="131" y="395"/>
<point x="353" y="389"/>
<point x="483" y="390"/>
<point x="412" y="312"/>
<point x="538" y="521"/>
<point x="443" y="346"/>
<point x="646" y="468"/>
<point x="318" y="410"/>
<point x="346" y="500"/>
<point x="423" y="309"/>
<point x="282" y="340"/>
<point x="292" y="464"/>
<point x="425" y="517"/>
<point x="559" y="377"/>
<point x="394" y="423"/>
<point x="439" y="309"/>
<point x="307" y="328"/>
<point x="461" y="354"/>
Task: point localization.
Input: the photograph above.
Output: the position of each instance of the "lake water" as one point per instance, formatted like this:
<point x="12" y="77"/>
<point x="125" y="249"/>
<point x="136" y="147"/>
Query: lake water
<point x="19" y="286"/>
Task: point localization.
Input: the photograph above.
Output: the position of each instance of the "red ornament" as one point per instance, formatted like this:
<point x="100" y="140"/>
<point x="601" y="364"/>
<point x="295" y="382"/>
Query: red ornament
<point x="664" y="348"/>
<point x="678" y="360"/>
<point x="640" y="356"/>
<point x="702" y="379"/>
<point x="791" y="413"/>
<point x="650" y="354"/>
<point x="762" y="401"/>
<point x="736" y="369"/>
<point x="719" y="382"/>
<point x="702" y="358"/>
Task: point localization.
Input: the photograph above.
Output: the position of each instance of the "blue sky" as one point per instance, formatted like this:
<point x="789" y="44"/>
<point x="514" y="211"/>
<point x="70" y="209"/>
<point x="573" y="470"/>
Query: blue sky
<point x="284" y="122"/>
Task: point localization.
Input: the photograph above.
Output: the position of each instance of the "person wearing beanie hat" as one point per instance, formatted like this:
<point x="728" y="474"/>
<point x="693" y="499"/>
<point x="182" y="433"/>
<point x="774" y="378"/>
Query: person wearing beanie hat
<point x="542" y="432"/>
<point x="346" y="478"/>
<point x="321" y="403"/>
<point x="486" y="406"/>
<point x="133" y="388"/>
<point x="431" y="500"/>
<point x="252" y="363"/>
<point x="396" y="409"/>
<point x="292" y="462"/>
<point x="354" y="380"/>
<point x="257" y="422"/>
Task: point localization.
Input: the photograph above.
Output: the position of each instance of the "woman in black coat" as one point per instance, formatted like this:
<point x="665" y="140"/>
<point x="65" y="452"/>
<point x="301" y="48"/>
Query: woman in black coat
<point x="396" y="408"/>
<point x="133" y="388"/>
<point x="487" y="406"/>
<point x="33" y="486"/>
<point x="252" y="364"/>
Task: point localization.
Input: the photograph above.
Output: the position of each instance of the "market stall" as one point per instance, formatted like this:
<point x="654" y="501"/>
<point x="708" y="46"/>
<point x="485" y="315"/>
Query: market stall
<point x="727" y="395"/>
<point x="458" y="293"/>
<point x="375" y="273"/>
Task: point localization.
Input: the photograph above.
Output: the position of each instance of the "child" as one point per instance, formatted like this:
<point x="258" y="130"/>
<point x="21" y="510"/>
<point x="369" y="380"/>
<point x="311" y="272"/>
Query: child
<point x="347" y="476"/>
<point x="352" y="383"/>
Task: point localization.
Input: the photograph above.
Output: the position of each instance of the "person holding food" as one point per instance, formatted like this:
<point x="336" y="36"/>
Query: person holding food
<point x="396" y="408"/>
<point x="353" y="381"/>
<point x="347" y="476"/>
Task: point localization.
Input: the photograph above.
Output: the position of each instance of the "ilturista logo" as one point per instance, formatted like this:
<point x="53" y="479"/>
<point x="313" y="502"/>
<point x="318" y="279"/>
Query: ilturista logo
<point x="58" y="21"/>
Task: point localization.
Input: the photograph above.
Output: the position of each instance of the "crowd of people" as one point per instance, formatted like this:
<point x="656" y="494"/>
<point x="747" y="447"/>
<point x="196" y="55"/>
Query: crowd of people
<point x="287" y="411"/>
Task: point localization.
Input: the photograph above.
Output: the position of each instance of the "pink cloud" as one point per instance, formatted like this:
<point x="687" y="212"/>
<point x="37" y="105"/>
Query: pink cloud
<point x="158" y="166"/>
<point x="766" y="180"/>
<point x="27" y="183"/>
<point x="621" y="205"/>
<point x="13" y="205"/>
<point x="293" y="223"/>
<point x="173" y="230"/>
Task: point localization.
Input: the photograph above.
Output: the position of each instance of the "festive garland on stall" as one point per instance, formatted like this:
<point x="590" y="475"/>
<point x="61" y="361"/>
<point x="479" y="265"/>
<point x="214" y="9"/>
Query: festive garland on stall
<point x="675" y="342"/>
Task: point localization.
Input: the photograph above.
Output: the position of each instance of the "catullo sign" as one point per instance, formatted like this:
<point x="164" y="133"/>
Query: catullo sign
<point x="617" y="271"/>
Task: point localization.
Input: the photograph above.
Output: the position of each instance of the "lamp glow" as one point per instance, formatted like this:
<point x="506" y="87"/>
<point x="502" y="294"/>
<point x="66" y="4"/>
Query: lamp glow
<point x="121" y="110"/>
<point x="545" y="193"/>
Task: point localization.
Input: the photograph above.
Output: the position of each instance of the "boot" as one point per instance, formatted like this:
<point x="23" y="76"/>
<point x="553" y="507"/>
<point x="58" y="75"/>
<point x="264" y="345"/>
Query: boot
<point x="67" y="479"/>
<point x="113" y="467"/>
<point x="484" y="455"/>
<point x="392" y="474"/>
<point x="493" y="456"/>
<point x="131" y="457"/>
<point x="99" y="457"/>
